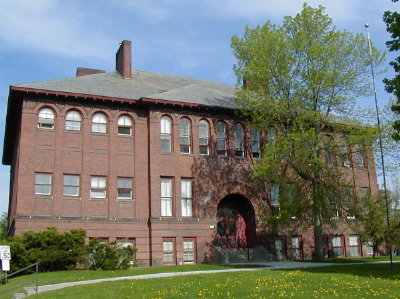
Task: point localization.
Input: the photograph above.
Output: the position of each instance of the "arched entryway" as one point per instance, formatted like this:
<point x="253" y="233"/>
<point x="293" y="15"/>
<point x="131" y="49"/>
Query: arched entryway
<point x="235" y="222"/>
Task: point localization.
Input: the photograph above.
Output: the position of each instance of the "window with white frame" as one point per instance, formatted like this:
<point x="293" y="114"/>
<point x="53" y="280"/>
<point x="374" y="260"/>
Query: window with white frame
<point x="359" y="157"/>
<point x="46" y="119"/>
<point x="279" y="249"/>
<point x="71" y="185"/>
<point x="73" y="121"/>
<point x="370" y="248"/>
<point x="239" y="140"/>
<point x="124" y="188"/>
<point x="184" y="136"/>
<point x="168" y="251"/>
<point x="189" y="251"/>
<point x="353" y="243"/>
<point x="43" y="183"/>
<point x="203" y="137"/>
<point x="295" y="244"/>
<point x="274" y="195"/>
<point x="255" y="143"/>
<point x="186" y="197"/>
<point x="271" y="134"/>
<point x="337" y="248"/>
<point x="221" y="139"/>
<point x="166" y="197"/>
<point x="98" y="187"/>
<point x="124" y="125"/>
<point x="166" y="134"/>
<point x="99" y="123"/>
<point x="344" y="152"/>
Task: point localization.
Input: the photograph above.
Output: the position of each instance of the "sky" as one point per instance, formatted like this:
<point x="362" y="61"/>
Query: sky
<point x="48" y="39"/>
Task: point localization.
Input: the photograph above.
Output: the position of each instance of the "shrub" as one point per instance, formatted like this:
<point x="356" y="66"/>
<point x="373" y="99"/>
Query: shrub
<point x="53" y="250"/>
<point x="104" y="256"/>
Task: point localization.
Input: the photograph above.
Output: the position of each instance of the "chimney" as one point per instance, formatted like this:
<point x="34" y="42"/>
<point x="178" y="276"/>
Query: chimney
<point x="83" y="71"/>
<point x="123" y="57"/>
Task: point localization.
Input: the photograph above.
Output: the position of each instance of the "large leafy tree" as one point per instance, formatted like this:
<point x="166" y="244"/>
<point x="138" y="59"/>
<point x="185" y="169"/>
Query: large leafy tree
<point x="392" y="20"/>
<point x="302" y="78"/>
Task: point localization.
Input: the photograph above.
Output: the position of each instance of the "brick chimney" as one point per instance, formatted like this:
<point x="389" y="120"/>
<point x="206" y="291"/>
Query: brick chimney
<point x="123" y="59"/>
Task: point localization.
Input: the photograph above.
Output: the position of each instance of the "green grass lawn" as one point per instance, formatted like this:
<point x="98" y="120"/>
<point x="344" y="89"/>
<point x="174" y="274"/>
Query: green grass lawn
<point x="340" y="281"/>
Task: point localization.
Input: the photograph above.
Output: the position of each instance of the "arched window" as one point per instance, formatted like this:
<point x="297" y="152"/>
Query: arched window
<point x="124" y="125"/>
<point x="271" y="134"/>
<point x="46" y="119"/>
<point x="255" y="143"/>
<point x="184" y="133"/>
<point x="203" y="137"/>
<point x="73" y="121"/>
<point x="221" y="139"/>
<point x="99" y="123"/>
<point x="166" y="134"/>
<point x="239" y="140"/>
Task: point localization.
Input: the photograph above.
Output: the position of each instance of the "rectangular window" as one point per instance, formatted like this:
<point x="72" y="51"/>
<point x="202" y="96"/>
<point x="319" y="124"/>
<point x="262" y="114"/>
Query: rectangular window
<point x="168" y="247"/>
<point x="370" y="248"/>
<point x="185" y="136"/>
<point x="71" y="185"/>
<point x="98" y="187"/>
<point x="353" y="242"/>
<point x="186" y="195"/>
<point x="274" y="195"/>
<point x="166" y="197"/>
<point x="337" y="249"/>
<point x="255" y="143"/>
<point x="124" y="188"/>
<point x="221" y="139"/>
<point x="189" y="251"/>
<point x="363" y="192"/>
<point x="271" y="134"/>
<point x="43" y="183"/>
<point x="279" y="249"/>
<point x="295" y="243"/>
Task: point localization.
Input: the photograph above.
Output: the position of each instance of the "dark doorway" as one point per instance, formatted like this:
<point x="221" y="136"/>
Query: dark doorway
<point x="236" y="222"/>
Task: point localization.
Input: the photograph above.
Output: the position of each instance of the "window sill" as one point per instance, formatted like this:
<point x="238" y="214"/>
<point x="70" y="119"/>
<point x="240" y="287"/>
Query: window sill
<point x="125" y="199"/>
<point x="125" y="136"/>
<point x="43" y="196"/>
<point x="99" y="134"/>
<point x="45" y="129"/>
<point x="99" y="199"/>
<point x="73" y="131"/>
<point x="71" y="197"/>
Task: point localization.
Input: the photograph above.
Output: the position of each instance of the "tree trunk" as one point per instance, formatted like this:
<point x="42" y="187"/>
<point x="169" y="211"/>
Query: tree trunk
<point x="318" y="239"/>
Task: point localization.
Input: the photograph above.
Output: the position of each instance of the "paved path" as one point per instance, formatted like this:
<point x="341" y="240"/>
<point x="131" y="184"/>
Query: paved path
<point x="267" y="265"/>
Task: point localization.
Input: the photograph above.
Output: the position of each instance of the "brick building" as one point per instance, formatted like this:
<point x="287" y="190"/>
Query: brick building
<point x="159" y="161"/>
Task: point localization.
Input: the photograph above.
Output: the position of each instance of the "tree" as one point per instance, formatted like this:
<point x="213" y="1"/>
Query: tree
<point x="3" y="226"/>
<point x="302" y="77"/>
<point x="392" y="20"/>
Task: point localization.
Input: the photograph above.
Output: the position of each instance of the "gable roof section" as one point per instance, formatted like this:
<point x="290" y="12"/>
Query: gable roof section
<point x="142" y="85"/>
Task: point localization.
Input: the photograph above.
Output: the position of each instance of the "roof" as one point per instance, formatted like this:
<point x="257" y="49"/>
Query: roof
<point x="142" y="85"/>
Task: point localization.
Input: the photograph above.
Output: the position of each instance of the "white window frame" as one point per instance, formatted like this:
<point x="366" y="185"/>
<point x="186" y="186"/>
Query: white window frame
<point x="295" y="243"/>
<point x="185" y="136"/>
<point x="99" y="123"/>
<point x="166" y="134"/>
<point x="166" y="197"/>
<point x="46" y="119"/>
<point x="189" y="251"/>
<point x="71" y="182"/>
<point x="353" y="244"/>
<point x="124" y="124"/>
<point x="168" y="251"/>
<point x="204" y="135"/>
<point x="186" y="198"/>
<point x="124" y="185"/>
<point x="43" y="183"/>
<point x="98" y="187"/>
<point x="336" y="244"/>
<point x="239" y="140"/>
<point x="73" y="120"/>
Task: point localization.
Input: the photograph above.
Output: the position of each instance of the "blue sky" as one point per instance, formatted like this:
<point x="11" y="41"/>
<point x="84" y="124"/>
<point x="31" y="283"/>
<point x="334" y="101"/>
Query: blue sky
<point x="47" y="39"/>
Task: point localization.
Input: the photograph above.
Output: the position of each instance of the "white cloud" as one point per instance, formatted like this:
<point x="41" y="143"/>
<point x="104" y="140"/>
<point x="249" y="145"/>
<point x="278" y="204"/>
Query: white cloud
<point x="49" y="26"/>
